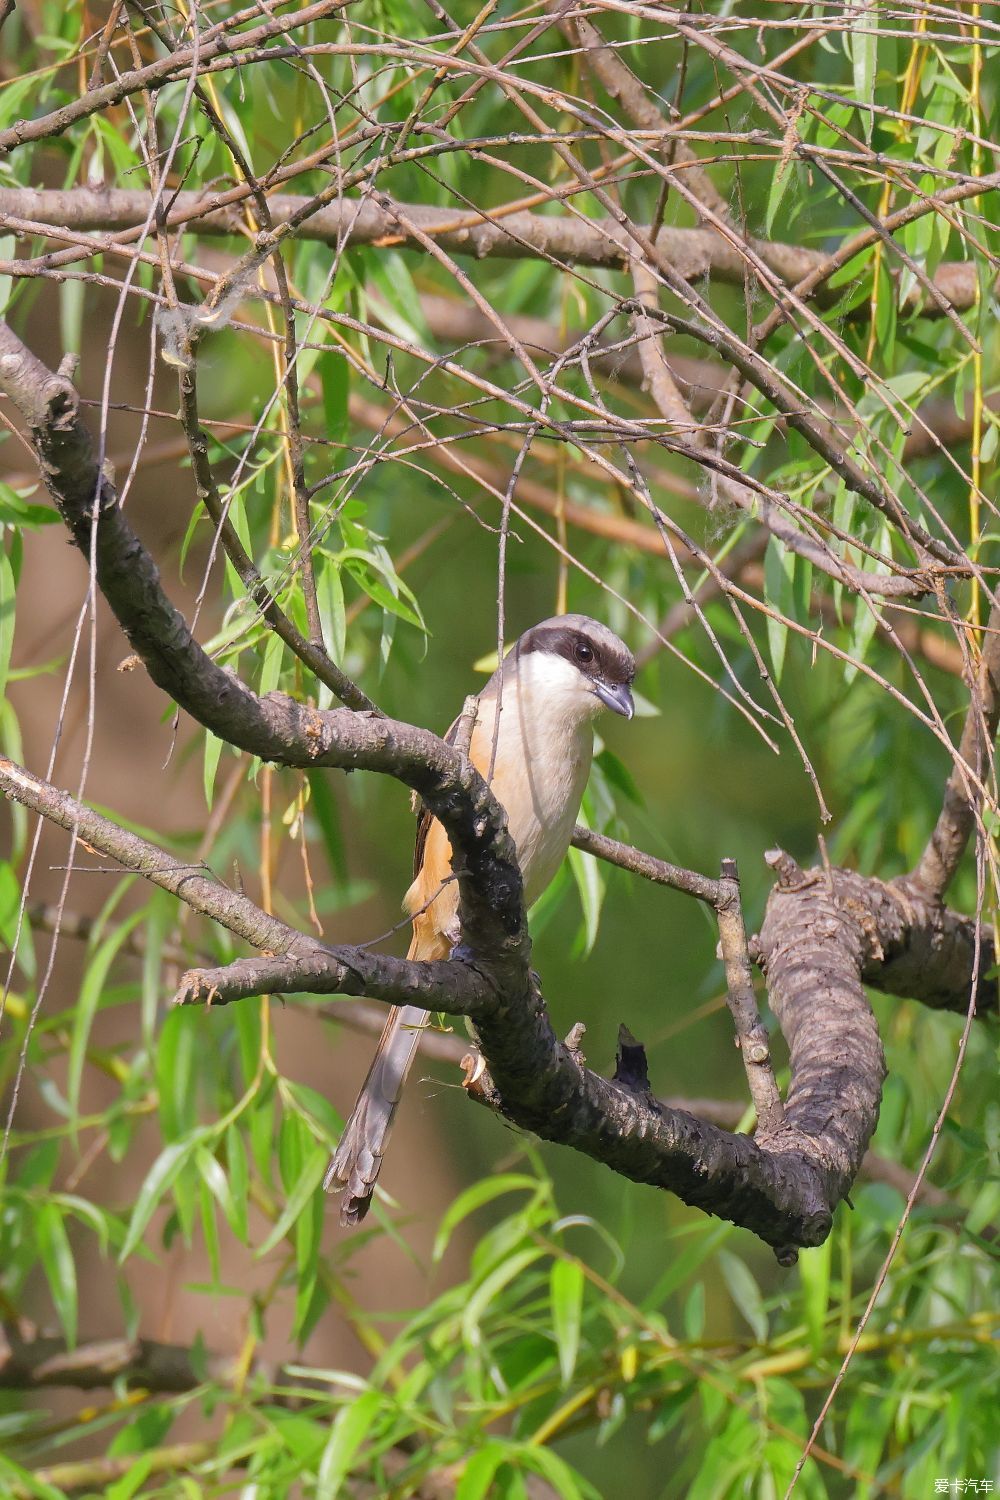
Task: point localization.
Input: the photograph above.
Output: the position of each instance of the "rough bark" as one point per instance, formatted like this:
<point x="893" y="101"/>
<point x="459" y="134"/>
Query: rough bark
<point x="571" y="239"/>
<point x="823" y="938"/>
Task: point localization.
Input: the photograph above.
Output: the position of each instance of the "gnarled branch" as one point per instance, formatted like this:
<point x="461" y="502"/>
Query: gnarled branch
<point x="821" y="942"/>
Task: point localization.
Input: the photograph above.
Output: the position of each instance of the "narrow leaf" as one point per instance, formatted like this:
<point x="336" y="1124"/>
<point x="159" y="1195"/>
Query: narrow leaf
<point x="309" y="1178"/>
<point x="59" y="1266"/>
<point x="814" y="1269"/>
<point x="349" y="1432"/>
<point x="474" y="1197"/>
<point x="478" y="1474"/>
<point x="744" y="1292"/>
<point x="566" y="1292"/>
<point x="590" y="888"/>
<point x="161" y="1177"/>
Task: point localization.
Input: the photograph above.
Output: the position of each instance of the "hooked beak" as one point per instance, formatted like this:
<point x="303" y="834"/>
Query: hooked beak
<point x="616" y="696"/>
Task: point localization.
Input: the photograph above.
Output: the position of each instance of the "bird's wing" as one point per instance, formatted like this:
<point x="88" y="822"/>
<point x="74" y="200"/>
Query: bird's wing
<point x="424" y="815"/>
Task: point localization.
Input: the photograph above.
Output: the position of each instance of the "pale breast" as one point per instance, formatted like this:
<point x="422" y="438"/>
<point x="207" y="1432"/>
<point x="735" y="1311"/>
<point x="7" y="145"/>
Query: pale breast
<point x="540" y="774"/>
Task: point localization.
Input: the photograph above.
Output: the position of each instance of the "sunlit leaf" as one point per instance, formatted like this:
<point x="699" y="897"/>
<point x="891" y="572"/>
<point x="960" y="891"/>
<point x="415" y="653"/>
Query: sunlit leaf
<point x="566" y="1292"/>
<point x="349" y="1431"/>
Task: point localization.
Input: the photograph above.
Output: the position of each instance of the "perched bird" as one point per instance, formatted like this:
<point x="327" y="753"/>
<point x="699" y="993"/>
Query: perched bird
<point x="556" y="679"/>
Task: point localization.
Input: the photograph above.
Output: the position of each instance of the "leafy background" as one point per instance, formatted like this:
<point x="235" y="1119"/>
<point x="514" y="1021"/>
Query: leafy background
<point x="509" y="1314"/>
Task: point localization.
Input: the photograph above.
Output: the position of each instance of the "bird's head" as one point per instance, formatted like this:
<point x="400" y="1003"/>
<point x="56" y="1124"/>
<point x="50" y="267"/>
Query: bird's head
<point x="581" y="661"/>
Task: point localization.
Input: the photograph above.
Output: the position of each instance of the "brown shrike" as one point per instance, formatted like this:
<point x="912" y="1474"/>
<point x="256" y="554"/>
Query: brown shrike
<point x="556" y="679"/>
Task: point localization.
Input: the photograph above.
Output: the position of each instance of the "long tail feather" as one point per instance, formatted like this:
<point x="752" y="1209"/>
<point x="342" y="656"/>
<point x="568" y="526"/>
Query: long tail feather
<point x="355" y="1165"/>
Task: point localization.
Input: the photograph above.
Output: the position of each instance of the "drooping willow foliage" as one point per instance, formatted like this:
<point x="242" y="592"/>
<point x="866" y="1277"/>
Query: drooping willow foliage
<point x="400" y="328"/>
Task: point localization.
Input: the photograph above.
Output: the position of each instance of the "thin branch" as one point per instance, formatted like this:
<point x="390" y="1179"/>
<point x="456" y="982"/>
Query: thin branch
<point x="46" y="917"/>
<point x="938" y="428"/>
<point x="220" y="40"/>
<point x="622" y="85"/>
<point x="646" y="865"/>
<point x="692" y="253"/>
<point x="751" y="1033"/>
<point x="311" y="652"/>
<point x="772" y="385"/>
<point x="291" y="955"/>
<point x="659" y="381"/>
<point x="785" y="1190"/>
<point x="947" y="843"/>
<point x="289" y="382"/>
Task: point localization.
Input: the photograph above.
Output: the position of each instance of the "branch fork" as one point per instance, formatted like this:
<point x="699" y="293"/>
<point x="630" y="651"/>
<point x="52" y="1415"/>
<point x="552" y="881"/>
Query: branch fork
<point x="815" y="949"/>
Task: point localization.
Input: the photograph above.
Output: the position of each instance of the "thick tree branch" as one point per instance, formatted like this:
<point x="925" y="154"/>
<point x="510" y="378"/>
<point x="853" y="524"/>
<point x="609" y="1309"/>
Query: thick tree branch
<point x="276" y="727"/>
<point x="119" y="1357"/>
<point x="692" y="253"/>
<point x="816" y="948"/>
<point x="892" y="935"/>
<point x="446" y="1047"/>
<point x="541" y="1084"/>
<point x="291" y="955"/>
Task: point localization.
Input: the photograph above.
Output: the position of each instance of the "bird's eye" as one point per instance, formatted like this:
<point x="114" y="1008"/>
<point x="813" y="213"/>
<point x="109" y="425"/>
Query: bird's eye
<point x="584" y="652"/>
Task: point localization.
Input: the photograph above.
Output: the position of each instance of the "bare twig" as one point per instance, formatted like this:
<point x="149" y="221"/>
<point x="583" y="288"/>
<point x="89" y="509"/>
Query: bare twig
<point x="628" y="90"/>
<point x="646" y="865"/>
<point x="311" y="652"/>
<point x="751" y="1034"/>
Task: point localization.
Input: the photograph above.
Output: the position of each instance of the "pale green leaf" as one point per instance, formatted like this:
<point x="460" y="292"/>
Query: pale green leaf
<point x="814" y="1271"/>
<point x="213" y="749"/>
<point x="348" y="1433"/>
<point x="310" y="1175"/>
<point x="566" y="1285"/>
<point x="479" y="1471"/>
<point x="744" y="1292"/>
<point x="60" y="1269"/>
<point x="590" y="887"/>
<point x="88" y="1000"/>
<point x="161" y="1177"/>
<point x="484" y="1191"/>
<point x="863" y="45"/>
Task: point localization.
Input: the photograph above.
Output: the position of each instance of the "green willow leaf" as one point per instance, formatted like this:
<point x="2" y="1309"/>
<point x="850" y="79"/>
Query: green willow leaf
<point x="59" y="1266"/>
<point x="566" y="1285"/>
<point x="349" y="1431"/>
<point x="480" y="1193"/>
<point x="310" y="1175"/>
<point x="161" y="1177"/>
